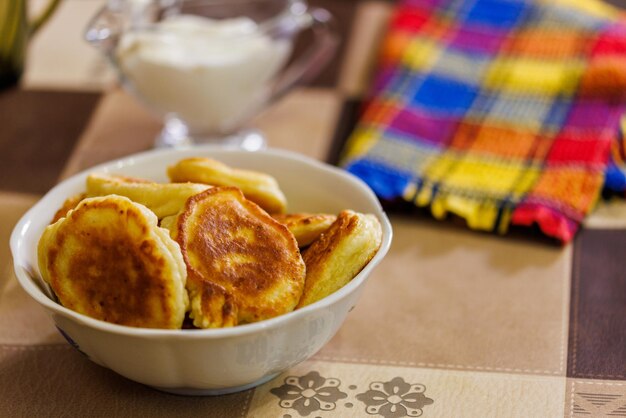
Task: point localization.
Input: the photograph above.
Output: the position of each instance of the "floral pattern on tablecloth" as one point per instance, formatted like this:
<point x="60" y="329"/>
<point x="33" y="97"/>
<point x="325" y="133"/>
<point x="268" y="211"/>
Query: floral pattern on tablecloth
<point x="315" y="393"/>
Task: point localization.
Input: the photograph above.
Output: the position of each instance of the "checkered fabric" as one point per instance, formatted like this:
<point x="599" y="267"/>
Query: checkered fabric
<point x="504" y="112"/>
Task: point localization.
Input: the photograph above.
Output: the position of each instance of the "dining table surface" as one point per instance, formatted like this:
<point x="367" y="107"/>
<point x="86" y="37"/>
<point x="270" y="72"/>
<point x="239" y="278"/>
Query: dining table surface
<point x="482" y="325"/>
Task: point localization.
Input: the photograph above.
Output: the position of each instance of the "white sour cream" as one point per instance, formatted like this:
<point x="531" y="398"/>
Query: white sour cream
<point x="212" y="74"/>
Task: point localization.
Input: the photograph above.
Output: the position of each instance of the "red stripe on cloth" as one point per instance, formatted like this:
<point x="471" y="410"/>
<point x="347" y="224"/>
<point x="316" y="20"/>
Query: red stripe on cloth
<point x="576" y="147"/>
<point x="409" y="19"/>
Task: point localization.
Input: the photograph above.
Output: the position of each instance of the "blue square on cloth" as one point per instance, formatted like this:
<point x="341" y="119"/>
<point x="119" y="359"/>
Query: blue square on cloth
<point x="557" y="114"/>
<point x="495" y="13"/>
<point x="444" y="95"/>
<point x="386" y="181"/>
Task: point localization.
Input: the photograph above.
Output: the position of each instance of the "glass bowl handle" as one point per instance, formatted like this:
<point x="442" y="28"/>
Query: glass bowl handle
<point x="105" y="29"/>
<point x="315" y="58"/>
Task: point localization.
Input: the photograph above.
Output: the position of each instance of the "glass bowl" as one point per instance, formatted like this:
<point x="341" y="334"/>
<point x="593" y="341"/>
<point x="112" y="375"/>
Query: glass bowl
<point x="206" y="67"/>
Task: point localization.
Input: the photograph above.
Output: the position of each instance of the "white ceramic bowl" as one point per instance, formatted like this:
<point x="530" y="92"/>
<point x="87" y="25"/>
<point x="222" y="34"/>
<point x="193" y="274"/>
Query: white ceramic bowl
<point x="214" y="361"/>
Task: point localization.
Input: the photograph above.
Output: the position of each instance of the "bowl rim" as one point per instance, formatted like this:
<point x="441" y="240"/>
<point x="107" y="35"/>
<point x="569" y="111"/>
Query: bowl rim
<point x="27" y="282"/>
<point x="290" y="14"/>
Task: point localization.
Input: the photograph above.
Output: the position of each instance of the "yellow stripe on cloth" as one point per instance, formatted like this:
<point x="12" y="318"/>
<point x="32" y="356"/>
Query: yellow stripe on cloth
<point x="595" y="8"/>
<point x="361" y="141"/>
<point x="473" y="189"/>
<point x="541" y="77"/>
<point x="479" y="214"/>
<point x="421" y="54"/>
<point x="473" y="175"/>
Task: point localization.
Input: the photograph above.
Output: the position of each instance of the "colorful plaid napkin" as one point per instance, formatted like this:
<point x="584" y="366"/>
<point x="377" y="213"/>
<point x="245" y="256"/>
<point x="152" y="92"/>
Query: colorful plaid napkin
<point x="504" y="112"/>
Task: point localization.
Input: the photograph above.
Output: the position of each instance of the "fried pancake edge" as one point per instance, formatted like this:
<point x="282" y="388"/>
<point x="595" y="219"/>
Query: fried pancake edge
<point x="164" y="199"/>
<point x="306" y="227"/>
<point x="261" y="188"/>
<point x="339" y="254"/>
<point x="69" y="204"/>
<point x="67" y="242"/>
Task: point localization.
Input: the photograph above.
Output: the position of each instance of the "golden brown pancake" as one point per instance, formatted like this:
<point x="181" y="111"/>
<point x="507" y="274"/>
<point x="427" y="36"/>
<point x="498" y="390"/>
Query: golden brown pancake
<point x="230" y="241"/>
<point x="164" y="199"/>
<point x="339" y="254"/>
<point x="261" y="188"/>
<point x="109" y="260"/>
<point x="69" y="204"/>
<point x="306" y="227"/>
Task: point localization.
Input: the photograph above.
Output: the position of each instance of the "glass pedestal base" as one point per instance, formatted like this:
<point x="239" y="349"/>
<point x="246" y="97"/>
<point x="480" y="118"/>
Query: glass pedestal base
<point x="175" y="135"/>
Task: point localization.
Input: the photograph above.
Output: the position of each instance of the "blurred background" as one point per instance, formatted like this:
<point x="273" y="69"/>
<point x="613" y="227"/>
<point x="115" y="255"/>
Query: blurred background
<point x="60" y="58"/>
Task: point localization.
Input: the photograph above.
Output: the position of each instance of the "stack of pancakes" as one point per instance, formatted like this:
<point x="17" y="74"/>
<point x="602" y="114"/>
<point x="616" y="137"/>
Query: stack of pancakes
<point x="214" y="245"/>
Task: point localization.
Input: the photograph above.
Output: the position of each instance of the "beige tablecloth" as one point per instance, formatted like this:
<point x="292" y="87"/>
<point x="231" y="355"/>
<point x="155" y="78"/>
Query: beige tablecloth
<point x="485" y="326"/>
